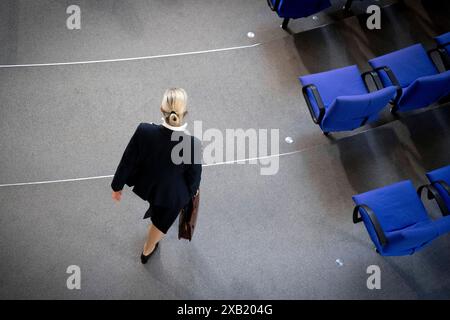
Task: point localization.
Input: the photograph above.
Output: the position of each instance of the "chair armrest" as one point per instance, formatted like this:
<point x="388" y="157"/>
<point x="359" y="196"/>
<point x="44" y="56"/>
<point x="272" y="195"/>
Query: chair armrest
<point x="376" y="224"/>
<point x="443" y="184"/>
<point x="274" y="6"/>
<point x="394" y="81"/>
<point x="375" y="78"/>
<point x="429" y="52"/>
<point x="434" y="194"/>
<point x="440" y="49"/>
<point x="319" y="102"/>
<point x="390" y="74"/>
<point x="446" y="187"/>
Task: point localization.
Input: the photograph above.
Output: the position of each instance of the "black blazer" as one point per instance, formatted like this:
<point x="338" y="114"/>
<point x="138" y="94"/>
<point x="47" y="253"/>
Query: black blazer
<point x="147" y="165"/>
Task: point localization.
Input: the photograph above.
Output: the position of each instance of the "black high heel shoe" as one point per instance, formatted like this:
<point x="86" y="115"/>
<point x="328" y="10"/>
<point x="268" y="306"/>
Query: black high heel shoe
<point x="145" y="258"/>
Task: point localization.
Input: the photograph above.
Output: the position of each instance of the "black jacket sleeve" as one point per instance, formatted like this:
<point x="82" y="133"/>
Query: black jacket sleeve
<point x="127" y="163"/>
<point x="193" y="173"/>
<point x="193" y="177"/>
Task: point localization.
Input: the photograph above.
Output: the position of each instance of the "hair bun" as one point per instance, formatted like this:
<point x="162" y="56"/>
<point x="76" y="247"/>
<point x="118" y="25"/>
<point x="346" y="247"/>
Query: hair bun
<point x="174" y="120"/>
<point x="173" y="106"/>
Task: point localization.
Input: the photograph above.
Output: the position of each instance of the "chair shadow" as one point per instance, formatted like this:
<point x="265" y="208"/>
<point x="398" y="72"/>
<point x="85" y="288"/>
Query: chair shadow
<point x="438" y="12"/>
<point x="374" y="159"/>
<point x="349" y="41"/>
<point x="433" y="256"/>
<point x="429" y="131"/>
<point x="405" y="21"/>
<point x="326" y="48"/>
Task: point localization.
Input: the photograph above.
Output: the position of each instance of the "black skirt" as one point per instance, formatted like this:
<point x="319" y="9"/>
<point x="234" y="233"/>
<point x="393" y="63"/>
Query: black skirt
<point x="162" y="218"/>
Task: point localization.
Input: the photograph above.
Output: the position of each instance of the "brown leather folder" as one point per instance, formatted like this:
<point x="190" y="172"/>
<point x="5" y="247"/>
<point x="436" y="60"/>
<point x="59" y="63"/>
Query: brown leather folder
<point x="188" y="218"/>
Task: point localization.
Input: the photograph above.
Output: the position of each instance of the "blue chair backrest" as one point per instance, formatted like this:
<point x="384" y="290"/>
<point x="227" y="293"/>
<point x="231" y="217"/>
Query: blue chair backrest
<point x="300" y="8"/>
<point x="396" y="206"/>
<point x="331" y="84"/>
<point x="408" y="64"/>
<point x="431" y="89"/>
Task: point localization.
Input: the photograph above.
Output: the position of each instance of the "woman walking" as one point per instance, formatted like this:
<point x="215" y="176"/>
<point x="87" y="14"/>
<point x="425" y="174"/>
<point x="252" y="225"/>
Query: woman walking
<point x="149" y="165"/>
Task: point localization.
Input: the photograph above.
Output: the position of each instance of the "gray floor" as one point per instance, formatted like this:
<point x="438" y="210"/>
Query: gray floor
<point x="258" y="236"/>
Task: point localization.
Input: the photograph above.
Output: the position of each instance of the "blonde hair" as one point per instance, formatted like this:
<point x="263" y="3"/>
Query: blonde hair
<point x="174" y="106"/>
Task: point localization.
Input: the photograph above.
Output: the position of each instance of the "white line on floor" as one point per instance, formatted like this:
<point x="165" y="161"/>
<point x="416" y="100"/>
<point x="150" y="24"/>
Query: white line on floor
<point x="205" y="165"/>
<point x="127" y="59"/>
<point x="53" y="181"/>
<point x="252" y="159"/>
<point x="110" y="176"/>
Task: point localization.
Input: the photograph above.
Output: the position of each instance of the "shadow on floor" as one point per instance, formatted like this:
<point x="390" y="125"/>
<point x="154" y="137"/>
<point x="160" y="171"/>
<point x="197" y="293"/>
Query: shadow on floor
<point x="349" y="41"/>
<point x="438" y="12"/>
<point x="375" y="159"/>
<point x="208" y="282"/>
<point x="434" y="260"/>
<point x="430" y="134"/>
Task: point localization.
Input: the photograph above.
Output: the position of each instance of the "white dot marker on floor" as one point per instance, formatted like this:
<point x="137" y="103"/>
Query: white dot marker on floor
<point x="289" y="140"/>
<point x="315" y="17"/>
<point x="250" y="35"/>
<point x="339" y="262"/>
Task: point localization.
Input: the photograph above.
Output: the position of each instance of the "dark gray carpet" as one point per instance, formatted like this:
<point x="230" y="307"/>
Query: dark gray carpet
<point x="258" y="236"/>
<point x="35" y="31"/>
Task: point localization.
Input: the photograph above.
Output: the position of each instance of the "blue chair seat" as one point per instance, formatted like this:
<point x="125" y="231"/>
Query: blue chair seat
<point x="414" y="72"/>
<point x="436" y="87"/>
<point x="396" y="219"/>
<point x="440" y="179"/>
<point x="339" y="99"/>
<point x="298" y="8"/>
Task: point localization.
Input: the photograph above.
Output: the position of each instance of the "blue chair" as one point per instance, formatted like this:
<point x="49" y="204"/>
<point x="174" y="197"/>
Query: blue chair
<point x="339" y="100"/>
<point x="443" y="48"/>
<point x="293" y="9"/>
<point x="414" y="72"/>
<point x="396" y="219"/>
<point x="443" y="41"/>
<point x="440" y="183"/>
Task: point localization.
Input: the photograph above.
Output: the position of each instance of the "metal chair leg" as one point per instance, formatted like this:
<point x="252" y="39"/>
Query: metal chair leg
<point x="285" y="23"/>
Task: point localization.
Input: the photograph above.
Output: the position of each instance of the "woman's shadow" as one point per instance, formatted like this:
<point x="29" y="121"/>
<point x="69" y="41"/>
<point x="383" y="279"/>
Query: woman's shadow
<point x="191" y="275"/>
